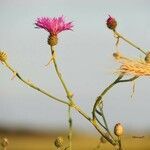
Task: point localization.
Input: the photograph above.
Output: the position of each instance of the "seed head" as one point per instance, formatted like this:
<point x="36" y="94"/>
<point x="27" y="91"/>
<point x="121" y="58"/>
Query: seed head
<point x="111" y="23"/>
<point x="4" y="142"/>
<point x="3" y="56"/>
<point x="118" y="129"/>
<point x="117" y="55"/>
<point x="59" y="141"/>
<point x="147" y="57"/>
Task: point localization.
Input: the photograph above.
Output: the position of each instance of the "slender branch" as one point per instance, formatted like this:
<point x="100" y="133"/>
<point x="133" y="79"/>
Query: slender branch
<point x="32" y="85"/>
<point x="128" y="80"/>
<point x="70" y="127"/>
<point x="129" y="42"/>
<point x="100" y="123"/>
<point x="59" y="74"/>
<point x="120" y="143"/>
<point x="99" y="98"/>
<point x="69" y="96"/>
<point x="94" y="124"/>
<point x="106" y="125"/>
<point x="71" y="104"/>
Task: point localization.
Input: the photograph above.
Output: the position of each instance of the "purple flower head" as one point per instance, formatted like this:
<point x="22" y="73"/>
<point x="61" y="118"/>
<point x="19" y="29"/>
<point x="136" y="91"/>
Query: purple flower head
<point x="53" y="25"/>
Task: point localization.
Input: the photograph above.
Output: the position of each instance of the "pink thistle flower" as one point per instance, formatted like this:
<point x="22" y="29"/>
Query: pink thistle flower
<point x="111" y="23"/>
<point x="53" y="25"/>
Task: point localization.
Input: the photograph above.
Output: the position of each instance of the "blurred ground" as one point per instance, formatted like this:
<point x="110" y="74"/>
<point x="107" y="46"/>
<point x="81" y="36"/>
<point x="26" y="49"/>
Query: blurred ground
<point x="38" y="141"/>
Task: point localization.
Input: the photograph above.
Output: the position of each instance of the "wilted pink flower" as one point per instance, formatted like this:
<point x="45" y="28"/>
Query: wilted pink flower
<point x="111" y="23"/>
<point x="53" y="25"/>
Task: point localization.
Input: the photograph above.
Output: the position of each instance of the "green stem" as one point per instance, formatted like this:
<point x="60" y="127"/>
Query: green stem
<point x="34" y="86"/>
<point x="129" y="80"/>
<point x="120" y="144"/>
<point x="100" y="123"/>
<point x="106" y="125"/>
<point x="129" y="42"/>
<point x="99" y="98"/>
<point x="71" y="104"/>
<point x="59" y="74"/>
<point x="93" y="122"/>
<point x="69" y="96"/>
<point x="70" y="127"/>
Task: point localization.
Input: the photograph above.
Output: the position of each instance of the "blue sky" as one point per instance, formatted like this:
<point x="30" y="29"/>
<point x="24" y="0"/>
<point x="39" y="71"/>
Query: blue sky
<point x="85" y="59"/>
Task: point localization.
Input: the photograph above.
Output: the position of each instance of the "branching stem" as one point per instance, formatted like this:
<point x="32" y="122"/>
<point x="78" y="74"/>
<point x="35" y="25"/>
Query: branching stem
<point x="129" y="42"/>
<point x="33" y="85"/>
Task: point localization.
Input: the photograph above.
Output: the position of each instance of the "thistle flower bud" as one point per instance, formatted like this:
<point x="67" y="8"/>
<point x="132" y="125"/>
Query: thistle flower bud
<point x="117" y="55"/>
<point x="4" y="142"/>
<point x="118" y="129"/>
<point x="111" y="23"/>
<point x="70" y="95"/>
<point x="3" y="56"/>
<point x="147" y="57"/>
<point x="52" y="40"/>
<point x="59" y="142"/>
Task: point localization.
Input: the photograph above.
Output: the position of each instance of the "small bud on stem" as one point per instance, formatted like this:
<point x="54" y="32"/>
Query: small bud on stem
<point x="111" y="23"/>
<point x="3" y="56"/>
<point x="147" y="57"/>
<point x="59" y="142"/>
<point x="4" y="143"/>
<point x="118" y="129"/>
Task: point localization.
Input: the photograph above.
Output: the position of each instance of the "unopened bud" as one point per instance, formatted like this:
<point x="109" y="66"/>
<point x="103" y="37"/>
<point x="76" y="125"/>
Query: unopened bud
<point x="59" y="142"/>
<point x="4" y="142"/>
<point x="117" y="55"/>
<point x="3" y="56"/>
<point x="70" y="95"/>
<point x="111" y="23"/>
<point x="118" y="129"/>
<point x="147" y="57"/>
<point x="52" y="40"/>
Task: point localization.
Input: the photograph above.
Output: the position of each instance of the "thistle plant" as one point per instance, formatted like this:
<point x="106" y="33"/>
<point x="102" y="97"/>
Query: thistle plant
<point x="131" y="68"/>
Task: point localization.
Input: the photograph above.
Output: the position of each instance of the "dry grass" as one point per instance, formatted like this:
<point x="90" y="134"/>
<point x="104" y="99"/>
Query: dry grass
<point x="80" y="142"/>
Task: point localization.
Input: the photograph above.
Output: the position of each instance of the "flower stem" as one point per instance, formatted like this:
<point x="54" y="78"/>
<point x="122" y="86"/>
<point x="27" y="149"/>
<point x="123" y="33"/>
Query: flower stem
<point x="70" y="127"/>
<point x="99" y="98"/>
<point x="94" y="124"/>
<point x="129" y="42"/>
<point x="106" y="125"/>
<point x="72" y="104"/>
<point x="33" y="85"/>
<point x="68" y="96"/>
<point x="120" y="143"/>
<point x="59" y="74"/>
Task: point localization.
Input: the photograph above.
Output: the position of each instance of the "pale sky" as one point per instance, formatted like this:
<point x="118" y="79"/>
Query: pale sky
<point x="85" y="59"/>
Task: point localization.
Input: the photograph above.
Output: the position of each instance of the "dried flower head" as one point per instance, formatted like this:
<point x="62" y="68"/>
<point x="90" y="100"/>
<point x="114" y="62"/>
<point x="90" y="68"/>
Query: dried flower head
<point x="59" y="142"/>
<point x="3" y="56"/>
<point x="117" y="55"/>
<point x="118" y="129"/>
<point x="133" y="66"/>
<point x="147" y="57"/>
<point x="111" y="23"/>
<point x="4" y="142"/>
